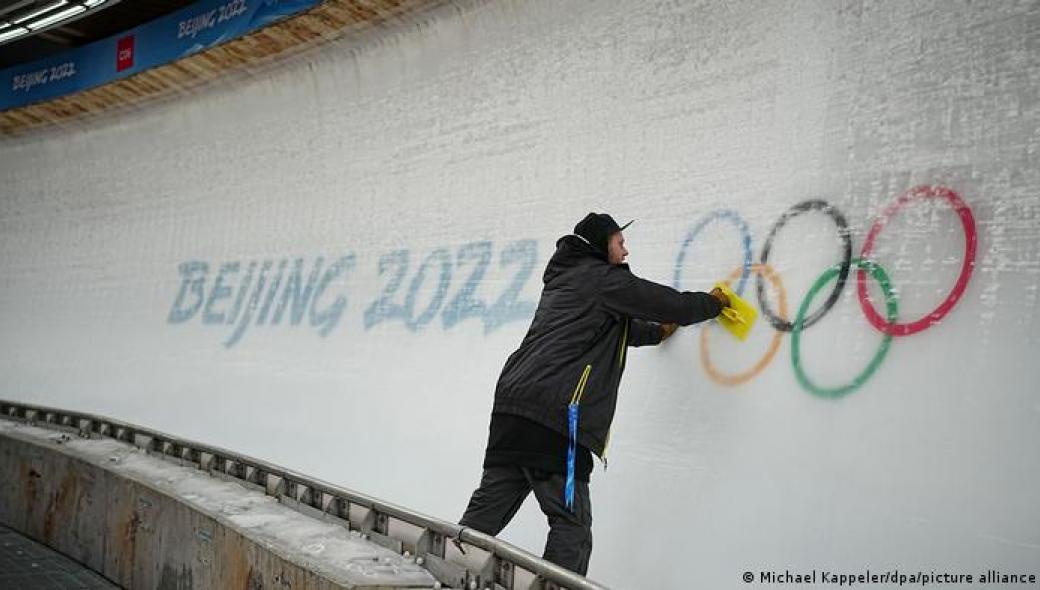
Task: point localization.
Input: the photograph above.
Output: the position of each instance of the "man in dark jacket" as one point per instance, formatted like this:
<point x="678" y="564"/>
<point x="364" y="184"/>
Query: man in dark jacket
<point x="557" y="393"/>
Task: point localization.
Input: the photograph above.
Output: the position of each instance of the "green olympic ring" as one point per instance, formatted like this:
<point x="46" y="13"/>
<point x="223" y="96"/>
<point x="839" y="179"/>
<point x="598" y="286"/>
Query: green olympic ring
<point x="892" y="312"/>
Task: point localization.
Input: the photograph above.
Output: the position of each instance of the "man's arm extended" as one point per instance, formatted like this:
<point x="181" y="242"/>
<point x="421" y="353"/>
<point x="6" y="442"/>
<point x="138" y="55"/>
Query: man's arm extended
<point x="629" y="295"/>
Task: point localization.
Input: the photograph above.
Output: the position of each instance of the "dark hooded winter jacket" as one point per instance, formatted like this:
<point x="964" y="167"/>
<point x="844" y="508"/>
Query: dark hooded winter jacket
<point x="590" y="311"/>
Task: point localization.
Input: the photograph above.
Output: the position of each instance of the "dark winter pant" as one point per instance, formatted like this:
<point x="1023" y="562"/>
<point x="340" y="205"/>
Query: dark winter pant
<point x="503" y="489"/>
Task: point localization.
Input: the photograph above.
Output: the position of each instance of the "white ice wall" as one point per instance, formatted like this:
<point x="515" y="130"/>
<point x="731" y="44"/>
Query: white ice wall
<point x="475" y="139"/>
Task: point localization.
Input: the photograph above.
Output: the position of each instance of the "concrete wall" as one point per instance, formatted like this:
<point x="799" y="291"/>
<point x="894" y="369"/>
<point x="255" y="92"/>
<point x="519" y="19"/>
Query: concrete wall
<point x="413" y="186"/>
<point x="147" y="522"/>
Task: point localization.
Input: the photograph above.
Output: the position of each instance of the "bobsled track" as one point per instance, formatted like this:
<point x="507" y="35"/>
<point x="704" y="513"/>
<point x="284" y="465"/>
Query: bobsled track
<point x="134" y="507"/>
<point x="262" y="263"/>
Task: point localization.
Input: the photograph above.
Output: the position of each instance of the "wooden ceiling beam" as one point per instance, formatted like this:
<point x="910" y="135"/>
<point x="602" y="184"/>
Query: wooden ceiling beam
<point x="329" y="20"/>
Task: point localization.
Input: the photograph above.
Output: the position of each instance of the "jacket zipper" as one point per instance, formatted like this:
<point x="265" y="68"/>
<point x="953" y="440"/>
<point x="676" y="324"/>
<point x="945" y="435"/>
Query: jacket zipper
<point x="621" y="365"/>
<point x="579" y="390"/>
<point x="621" y="349"/>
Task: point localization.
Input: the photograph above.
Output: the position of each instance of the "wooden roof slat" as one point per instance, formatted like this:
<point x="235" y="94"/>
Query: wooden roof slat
<point x="327" y="21"/>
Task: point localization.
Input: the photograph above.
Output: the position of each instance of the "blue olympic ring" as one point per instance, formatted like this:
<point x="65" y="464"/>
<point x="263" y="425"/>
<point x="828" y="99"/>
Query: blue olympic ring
<point x="745" y="233"/>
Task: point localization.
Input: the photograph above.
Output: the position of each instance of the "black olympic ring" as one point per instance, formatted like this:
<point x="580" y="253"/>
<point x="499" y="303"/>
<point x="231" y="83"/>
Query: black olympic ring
<point x="843" y="271"/>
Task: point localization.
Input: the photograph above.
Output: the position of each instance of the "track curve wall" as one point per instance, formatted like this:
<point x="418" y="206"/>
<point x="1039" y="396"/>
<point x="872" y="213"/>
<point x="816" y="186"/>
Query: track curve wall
<point x="327" y="264"/>
<point x="145" y="522"/>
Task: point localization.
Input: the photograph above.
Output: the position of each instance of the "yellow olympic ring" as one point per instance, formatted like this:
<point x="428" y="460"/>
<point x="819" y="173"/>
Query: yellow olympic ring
<point x="766" y="271"/>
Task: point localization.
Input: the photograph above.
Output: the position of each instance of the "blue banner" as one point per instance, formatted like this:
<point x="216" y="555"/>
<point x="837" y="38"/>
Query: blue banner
<point x="190" y="30"/>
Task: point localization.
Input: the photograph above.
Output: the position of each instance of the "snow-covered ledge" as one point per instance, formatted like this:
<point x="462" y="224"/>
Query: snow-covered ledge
<point x="146" y="522"/>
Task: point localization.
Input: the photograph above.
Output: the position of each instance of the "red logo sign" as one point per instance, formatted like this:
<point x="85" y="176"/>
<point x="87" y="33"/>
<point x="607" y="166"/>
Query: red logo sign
<point x="125" y="53"/>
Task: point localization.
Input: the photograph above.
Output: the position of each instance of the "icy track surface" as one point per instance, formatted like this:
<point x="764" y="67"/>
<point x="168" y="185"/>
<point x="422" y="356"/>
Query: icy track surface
<point x="326" y="263"/>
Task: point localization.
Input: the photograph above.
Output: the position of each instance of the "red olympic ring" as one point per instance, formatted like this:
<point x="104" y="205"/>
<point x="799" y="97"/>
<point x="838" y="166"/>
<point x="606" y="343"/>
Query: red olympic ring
<point x="970" y="243"/>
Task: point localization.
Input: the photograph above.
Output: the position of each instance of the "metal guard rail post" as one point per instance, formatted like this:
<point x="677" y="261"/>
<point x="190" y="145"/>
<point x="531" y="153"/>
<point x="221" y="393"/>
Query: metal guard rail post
<point x="356" y="511"/>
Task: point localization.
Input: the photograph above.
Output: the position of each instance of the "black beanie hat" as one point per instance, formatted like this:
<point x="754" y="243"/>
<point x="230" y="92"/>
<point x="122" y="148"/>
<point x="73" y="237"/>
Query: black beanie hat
<point x="597" y="228"/>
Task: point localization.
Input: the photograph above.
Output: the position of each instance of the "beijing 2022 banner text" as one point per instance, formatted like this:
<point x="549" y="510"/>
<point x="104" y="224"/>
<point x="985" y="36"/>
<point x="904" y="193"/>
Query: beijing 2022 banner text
<point x="180" y="34"/>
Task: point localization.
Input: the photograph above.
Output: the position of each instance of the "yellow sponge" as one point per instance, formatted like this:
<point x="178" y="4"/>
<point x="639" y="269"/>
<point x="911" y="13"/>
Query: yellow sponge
<point x="739" y="316"/>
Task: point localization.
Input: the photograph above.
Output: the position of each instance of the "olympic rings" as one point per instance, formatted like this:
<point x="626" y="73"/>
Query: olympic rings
<point x="887" y="325"/>
<point x="760" y="270"/>
<point x="970" y="242"/>
<point x="843" y="272"/>
<point x="892" y="310"/>
<point x="745" y="233"/>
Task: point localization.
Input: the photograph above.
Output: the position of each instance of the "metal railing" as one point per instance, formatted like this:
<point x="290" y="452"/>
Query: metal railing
<point x="495" y="564"/>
